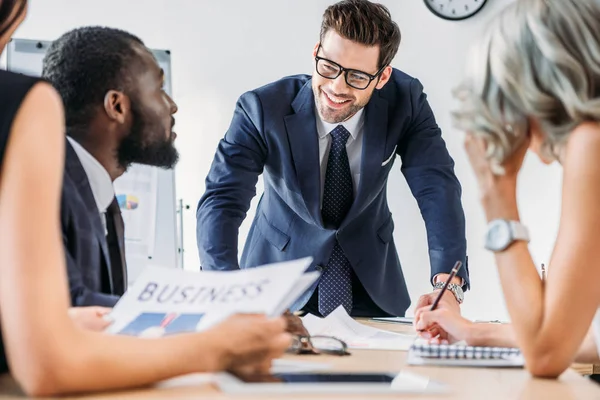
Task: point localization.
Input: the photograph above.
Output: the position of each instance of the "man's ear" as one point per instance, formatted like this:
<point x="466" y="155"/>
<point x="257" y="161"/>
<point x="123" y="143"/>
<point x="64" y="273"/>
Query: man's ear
<point x="316" y="48"/>
<point x="384" y="77"/>
<point x="117" y="105"/>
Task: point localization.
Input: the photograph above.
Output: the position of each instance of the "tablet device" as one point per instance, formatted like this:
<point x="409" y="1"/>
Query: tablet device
<point x="329" y="382"/>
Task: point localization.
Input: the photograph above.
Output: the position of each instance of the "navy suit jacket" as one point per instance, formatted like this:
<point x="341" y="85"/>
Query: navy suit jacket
<point x="274" y="132"/>
<point x="84" y="238"/>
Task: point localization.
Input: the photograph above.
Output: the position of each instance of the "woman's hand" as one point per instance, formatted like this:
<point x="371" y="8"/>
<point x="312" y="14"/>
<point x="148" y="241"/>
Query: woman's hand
<point x="498" y="192"/>
<point x="249" y="343"/>
<point x="442" y="324"/>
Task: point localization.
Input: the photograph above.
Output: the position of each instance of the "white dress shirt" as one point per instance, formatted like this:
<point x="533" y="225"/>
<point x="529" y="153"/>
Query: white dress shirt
<point x="355" y="126"/>
<point x="98" y="177"/>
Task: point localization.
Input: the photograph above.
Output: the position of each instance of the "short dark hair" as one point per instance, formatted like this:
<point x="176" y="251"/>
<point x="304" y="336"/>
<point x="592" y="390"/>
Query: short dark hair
<point x="366" y="23"/>
<point x="84" y="64"/>
<point x="7" y="8"/>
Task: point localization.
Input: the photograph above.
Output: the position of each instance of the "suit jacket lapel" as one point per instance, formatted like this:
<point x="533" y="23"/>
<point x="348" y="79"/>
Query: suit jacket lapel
<point x="76" y="172"/>
<point x="302" y="135"/>
<point x="374" y="143"/>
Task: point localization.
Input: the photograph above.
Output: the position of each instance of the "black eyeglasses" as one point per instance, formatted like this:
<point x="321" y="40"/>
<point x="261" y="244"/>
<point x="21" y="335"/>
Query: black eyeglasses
<point x="318" y="345"/>
<point x="354" y="78"/>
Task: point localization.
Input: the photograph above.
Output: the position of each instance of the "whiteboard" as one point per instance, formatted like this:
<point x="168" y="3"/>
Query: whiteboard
<point x="26" y="56"/>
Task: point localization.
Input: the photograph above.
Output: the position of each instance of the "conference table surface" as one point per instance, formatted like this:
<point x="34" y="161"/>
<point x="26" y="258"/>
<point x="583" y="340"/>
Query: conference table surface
<point x="463" y="382"/>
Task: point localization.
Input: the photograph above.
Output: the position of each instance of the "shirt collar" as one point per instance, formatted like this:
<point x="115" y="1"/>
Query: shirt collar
<point x="353" y="125"/>
<point x="98" y="177"/>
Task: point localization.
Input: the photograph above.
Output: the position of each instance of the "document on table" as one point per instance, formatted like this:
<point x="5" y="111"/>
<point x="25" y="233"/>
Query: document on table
<point x="356" y="335"/>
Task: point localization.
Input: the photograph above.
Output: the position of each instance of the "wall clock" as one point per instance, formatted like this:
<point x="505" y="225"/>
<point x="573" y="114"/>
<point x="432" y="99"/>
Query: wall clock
<point x="455" y="10"/>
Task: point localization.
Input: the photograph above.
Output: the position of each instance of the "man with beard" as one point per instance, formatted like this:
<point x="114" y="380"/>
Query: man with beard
<point x="325" y="146"/>
<point x="117" y="113"/>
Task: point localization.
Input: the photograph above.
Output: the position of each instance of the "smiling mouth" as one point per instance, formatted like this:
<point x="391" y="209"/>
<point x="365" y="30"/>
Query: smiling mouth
<point x="335" y="101"/>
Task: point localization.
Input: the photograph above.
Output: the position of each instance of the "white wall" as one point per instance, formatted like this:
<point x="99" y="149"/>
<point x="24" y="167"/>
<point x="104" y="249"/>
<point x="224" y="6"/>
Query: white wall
<point x="222" y="48"/>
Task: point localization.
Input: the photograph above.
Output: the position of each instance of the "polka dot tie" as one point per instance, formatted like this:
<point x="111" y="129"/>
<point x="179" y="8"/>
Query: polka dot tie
<point x="335" y="286"/>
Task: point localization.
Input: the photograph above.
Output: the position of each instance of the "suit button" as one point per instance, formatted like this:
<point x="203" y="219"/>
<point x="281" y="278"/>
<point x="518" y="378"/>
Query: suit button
<point x="318" y="268"/>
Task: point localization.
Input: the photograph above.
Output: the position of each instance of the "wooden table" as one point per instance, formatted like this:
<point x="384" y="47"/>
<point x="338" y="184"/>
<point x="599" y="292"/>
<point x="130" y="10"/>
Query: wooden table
<point x="586" y="369"/>
<point x="465" y="383"/>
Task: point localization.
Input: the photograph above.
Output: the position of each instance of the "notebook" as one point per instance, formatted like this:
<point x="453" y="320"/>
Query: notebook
<point x="465" y="356"/>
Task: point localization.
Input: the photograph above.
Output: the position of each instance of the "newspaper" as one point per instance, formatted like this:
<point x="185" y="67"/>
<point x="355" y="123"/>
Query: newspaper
<point x="166" y="301"/>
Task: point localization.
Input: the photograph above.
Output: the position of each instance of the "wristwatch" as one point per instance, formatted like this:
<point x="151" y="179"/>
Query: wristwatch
<point x="501" y="233"/>
<point x="454" y="288"/>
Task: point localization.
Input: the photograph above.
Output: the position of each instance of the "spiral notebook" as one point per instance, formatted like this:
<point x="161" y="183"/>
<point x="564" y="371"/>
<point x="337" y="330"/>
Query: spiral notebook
<point x="465" y="356"/>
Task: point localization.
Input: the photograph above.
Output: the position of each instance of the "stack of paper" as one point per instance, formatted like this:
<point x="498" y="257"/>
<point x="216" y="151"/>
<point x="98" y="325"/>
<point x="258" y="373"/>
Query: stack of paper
<point x="356" y="335"/>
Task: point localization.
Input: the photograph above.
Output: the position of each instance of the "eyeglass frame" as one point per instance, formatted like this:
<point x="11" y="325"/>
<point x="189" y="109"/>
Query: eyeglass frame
<point x="307" y="347"/>
<point x="345" y="71"/>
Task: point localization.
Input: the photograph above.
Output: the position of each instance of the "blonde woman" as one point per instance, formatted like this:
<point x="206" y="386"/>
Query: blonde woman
<point x="534" y="83"/>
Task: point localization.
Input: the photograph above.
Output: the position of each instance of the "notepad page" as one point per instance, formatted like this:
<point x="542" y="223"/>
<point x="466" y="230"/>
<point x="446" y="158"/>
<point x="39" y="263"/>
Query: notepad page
<point x="460" y="355"/>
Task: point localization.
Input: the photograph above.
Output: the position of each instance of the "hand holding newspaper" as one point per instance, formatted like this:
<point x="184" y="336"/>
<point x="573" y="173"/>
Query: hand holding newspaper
<point x="166" y="301"/>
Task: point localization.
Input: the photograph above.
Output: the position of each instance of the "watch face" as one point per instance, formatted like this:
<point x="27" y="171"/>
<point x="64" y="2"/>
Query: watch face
<point x="498" y="235"/>
<point x="455" y="9"/>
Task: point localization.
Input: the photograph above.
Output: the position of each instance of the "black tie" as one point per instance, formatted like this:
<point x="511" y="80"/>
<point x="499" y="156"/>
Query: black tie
<point x="116" y="247"/>
<point x="335" y="286"/>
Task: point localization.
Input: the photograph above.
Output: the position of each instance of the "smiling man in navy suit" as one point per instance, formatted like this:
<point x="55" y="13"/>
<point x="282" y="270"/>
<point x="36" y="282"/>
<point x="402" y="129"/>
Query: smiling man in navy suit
<point x="325" y="145"/>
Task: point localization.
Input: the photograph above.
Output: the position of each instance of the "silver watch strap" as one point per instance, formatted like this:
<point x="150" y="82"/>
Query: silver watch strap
<point x="452" y="287"/>
<point x="519" y="231"/>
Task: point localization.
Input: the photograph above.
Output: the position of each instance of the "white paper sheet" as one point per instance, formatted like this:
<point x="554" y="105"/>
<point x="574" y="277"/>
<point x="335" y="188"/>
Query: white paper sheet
<point x="356" y="335"/>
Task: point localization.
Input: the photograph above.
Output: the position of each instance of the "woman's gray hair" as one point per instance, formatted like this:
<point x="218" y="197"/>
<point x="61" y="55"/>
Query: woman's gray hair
<point x="540" y="59"/>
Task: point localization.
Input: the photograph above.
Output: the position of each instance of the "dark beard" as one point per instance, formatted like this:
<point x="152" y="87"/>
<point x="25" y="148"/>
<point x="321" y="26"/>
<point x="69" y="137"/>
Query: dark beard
<point x="135" y="148"/>
<point x="332" y="116"/>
